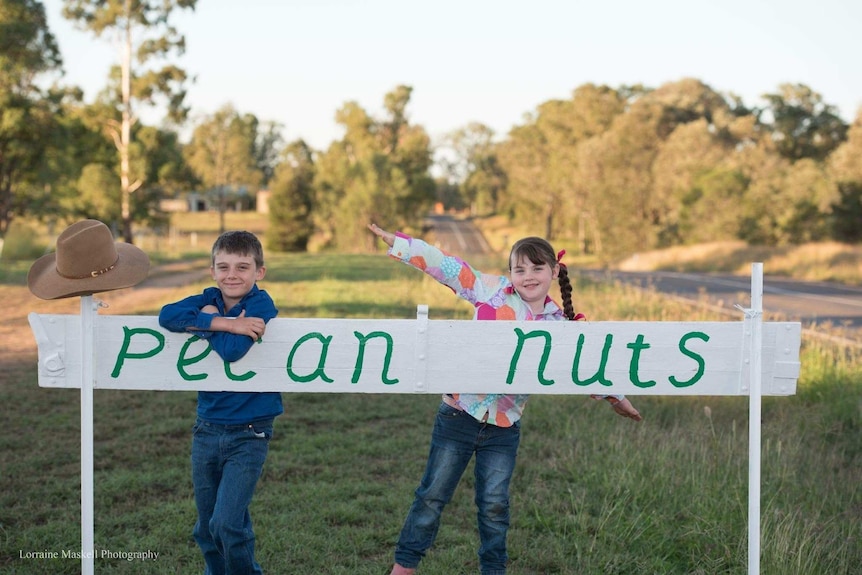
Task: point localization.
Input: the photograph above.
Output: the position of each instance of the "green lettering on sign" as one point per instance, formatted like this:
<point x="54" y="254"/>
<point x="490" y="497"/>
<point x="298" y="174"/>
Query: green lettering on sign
<point x="127" y="339"/>
<point x="546" y="351"/>
<point x="317" y="373"/>
<point x="360" y="356"/>
<point x="247" y="375"/>
<point x="637" y="346"/>
<point x="701" y="364"/>
<point x="599" y="376"/>
<point x="182" y="361"/>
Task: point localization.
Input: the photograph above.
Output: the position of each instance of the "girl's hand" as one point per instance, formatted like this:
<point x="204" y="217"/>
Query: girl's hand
<point x="623" y="406"/>
<point x="626" y="409"/>
<point x="387" y="237"/>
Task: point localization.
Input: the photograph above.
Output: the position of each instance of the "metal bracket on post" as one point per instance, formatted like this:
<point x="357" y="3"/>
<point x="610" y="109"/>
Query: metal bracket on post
<point x="421" y="359"/>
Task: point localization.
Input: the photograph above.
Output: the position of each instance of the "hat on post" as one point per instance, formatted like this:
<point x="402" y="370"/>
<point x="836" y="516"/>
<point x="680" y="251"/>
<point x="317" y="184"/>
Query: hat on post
<point x="87" y="261"/>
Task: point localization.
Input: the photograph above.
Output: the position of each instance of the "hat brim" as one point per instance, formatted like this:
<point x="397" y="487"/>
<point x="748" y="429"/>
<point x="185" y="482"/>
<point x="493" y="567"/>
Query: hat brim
<point x="131" y="268"/>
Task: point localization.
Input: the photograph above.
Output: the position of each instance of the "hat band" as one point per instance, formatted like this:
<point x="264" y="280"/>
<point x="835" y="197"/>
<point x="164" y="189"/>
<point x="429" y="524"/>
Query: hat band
<point x="92" y="274"/>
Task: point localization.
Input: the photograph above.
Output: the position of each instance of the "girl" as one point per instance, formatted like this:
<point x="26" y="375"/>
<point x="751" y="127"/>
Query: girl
<point x="487" y="425"/>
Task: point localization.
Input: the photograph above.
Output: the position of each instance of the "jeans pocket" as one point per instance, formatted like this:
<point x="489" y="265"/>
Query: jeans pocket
<point x="261" y="431"/>
<point x="448" y="411"/>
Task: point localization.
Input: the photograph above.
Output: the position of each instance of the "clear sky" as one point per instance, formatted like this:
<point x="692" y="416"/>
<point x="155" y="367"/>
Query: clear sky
<point x="490" y="61"/>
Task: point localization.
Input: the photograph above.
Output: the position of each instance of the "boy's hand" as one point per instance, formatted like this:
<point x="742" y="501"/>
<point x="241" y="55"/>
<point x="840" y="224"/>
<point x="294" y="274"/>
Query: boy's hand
<point x="387" y="237"/>
<point x="253" y="327"/>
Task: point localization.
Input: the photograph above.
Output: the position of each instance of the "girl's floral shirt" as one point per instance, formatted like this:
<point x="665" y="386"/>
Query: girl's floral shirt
<point x="494" y="298"/>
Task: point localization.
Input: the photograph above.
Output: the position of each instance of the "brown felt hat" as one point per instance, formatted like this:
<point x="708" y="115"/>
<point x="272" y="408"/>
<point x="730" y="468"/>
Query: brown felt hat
<point x="87" y="261"/>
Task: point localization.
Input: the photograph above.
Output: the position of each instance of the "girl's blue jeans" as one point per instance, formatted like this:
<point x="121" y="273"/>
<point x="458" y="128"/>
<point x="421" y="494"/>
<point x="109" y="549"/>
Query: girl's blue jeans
<point x="227" y="461"/>
<point x="455" y="439"/>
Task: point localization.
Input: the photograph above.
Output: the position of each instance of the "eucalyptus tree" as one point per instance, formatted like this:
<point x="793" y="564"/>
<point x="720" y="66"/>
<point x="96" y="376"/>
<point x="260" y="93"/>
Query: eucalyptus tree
<point x="540" y="160"/>
<point x="846" y="224"/>
<point x="845" y="168"/>
<point x="472" y="167"/>
<point x="291" y="200"/>
<point x="805" y="209"/>
<point x="145" y="36"/>
<point x="845" y="163"/>
<point x="801" y="123"/>
<point x="221" y="154"/>
<point x="28" y="51"/>
<point x="616" y="166"/>
<point x="379" y="171"/>
<point x="81" y="171"/>
<point x="268" y="148"/>
<point x="687" y="173"/>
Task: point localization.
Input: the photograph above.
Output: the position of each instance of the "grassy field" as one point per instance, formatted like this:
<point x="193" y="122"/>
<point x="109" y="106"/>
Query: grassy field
<point x="191" y="235"/>
<point x="593" y="493"/>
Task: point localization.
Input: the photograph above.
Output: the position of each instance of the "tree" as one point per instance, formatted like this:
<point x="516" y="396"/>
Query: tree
<point x="222" y="154"/>
<point x="847" y="213"/>
<point x="540" y="160"/>
<point x="291" y="200"/>
<point x="802" y="125"/>
<point x="804" y="209"/>
<point x="708" y="210"/>
<point x="473" y="172"/>
<point x="377" y="172"/>
<point x="845" y="163"/>
<point x="691" y="151"/>
<point x="145" y="35"/>
<point x="27" y="51"/>
<point x="268" y="147"/>
<point x="616" y="167"/>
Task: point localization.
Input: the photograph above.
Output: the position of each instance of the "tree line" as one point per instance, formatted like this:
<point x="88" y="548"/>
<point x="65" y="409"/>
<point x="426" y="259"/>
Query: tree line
<point x="618" y="170"/>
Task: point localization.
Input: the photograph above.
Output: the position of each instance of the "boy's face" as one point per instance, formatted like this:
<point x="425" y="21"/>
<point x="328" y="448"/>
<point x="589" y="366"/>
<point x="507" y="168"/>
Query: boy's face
<point x="235" y="275"/>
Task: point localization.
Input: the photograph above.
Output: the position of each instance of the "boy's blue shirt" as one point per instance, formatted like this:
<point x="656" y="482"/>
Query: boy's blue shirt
<point x="225" y="407"/>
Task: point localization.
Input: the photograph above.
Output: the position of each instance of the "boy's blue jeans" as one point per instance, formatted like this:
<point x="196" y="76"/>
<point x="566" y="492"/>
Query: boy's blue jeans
<point x="227" y="461"/>
<point x="455" y="439"/>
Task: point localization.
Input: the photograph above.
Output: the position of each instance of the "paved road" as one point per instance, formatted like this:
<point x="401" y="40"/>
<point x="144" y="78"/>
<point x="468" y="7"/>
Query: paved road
<point x="812" y="303"/>
<point x="817" y="305"/>
<point x="459" y="237"/>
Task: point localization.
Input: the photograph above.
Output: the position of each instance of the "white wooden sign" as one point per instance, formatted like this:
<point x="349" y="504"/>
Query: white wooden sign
<point x="428" y="356"/>
<point x="421" y="356"/>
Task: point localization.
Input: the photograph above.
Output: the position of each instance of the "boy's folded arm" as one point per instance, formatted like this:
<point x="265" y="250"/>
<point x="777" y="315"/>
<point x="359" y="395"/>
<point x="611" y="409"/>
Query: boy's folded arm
<point x="185" y="315"/>
<point x="230" y="347"/>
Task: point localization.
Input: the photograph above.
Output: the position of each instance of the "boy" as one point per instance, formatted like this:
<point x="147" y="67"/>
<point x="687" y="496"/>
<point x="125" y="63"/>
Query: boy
<point x="230" y="438"/>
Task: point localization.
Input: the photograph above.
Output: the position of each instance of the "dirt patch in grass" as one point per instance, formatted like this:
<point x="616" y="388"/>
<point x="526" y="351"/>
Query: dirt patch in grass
<point x="17" y="344"/>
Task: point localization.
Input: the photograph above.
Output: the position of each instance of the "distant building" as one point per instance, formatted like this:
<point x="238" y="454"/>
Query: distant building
<point x="263" y="201"/>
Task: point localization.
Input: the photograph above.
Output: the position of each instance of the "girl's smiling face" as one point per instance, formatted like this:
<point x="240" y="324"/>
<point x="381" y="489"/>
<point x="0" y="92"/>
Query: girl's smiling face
<point x="532" y="281"/>
<point x="235" y="275"/>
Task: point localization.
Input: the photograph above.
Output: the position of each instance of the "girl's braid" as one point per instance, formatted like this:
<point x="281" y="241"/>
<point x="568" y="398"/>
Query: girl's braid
<point x="566" y="292"/>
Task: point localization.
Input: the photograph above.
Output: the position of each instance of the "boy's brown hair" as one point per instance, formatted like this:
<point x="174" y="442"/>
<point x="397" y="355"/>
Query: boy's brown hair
<point x="241" y="243"/>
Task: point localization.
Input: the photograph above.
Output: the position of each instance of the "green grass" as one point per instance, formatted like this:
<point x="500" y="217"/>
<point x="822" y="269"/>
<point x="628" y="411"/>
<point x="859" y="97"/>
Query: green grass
<point x="592" y="493"/>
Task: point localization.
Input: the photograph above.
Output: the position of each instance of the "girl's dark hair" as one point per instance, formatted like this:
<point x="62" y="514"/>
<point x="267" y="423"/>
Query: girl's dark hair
<point x="539" y="251"/>
<point x="240" y="243"/>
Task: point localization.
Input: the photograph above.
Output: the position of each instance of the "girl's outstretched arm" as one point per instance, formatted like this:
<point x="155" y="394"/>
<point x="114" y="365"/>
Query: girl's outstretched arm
<point x="387" y="237"/>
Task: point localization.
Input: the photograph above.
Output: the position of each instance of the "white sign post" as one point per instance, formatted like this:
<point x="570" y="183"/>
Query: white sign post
<point x="424" y="356"/>
<point x="755" y="320"/>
